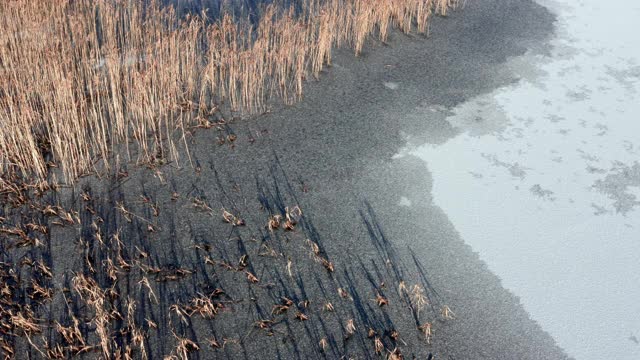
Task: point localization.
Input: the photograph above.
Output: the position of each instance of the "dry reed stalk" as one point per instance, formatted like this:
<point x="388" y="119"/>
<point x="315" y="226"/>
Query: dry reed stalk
<point x="89" y="291"/>
<point x="84" y="80"/>
<point x="184" y="347"/>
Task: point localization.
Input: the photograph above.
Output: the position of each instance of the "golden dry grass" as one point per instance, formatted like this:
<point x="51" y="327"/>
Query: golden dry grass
<point x="78" y="78"/>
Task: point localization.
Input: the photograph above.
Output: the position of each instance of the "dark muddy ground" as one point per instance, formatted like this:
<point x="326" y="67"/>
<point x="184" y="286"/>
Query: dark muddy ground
<point x="353" y="245"/>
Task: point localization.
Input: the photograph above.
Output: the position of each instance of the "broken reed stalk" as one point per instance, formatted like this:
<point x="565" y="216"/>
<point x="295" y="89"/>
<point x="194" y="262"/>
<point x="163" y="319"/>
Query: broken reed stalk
<point x="78" y="78"/>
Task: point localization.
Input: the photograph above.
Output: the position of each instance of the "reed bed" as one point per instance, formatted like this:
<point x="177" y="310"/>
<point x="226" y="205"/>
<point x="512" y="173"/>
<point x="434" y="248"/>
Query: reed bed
<point x="81" y="79"/>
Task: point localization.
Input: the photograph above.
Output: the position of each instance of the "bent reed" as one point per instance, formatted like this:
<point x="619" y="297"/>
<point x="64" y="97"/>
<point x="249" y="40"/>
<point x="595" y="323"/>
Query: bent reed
<point x="80" y="77"/>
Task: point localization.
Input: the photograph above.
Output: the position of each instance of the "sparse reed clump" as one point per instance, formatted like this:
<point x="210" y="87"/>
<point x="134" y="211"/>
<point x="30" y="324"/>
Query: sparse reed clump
<point x="78" y="78"/>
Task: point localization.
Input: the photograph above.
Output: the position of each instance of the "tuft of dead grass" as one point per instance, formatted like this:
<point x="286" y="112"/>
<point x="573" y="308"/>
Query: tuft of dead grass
<point x="97" y="298"/>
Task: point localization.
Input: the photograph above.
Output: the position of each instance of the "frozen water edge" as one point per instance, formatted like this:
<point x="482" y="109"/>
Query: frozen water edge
<point x="542" y="179"/>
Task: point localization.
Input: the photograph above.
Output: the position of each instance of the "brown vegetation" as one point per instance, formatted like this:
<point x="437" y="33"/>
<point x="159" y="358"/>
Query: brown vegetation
<point x="78" y="78"/>
<point x="119" y="292"/>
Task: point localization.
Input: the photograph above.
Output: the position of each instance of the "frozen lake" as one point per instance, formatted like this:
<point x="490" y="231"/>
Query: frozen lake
<point x="543" y="178"/>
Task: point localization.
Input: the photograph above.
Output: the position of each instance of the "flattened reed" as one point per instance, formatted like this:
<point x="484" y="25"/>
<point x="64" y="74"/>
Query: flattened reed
<point x="79" y="77"/>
